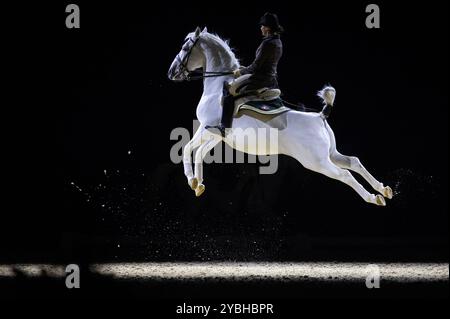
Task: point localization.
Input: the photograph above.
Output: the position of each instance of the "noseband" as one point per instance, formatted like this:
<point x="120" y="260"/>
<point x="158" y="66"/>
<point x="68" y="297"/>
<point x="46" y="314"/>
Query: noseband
<point x="196" y="74"/>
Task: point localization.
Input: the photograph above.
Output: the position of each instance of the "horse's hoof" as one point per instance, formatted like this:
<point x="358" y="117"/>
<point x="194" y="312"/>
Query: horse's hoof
<point x="193" y="182"/>
<point x="387" y="192"/>
<point x="379" y="200"/>
<point x="199" y="190"/>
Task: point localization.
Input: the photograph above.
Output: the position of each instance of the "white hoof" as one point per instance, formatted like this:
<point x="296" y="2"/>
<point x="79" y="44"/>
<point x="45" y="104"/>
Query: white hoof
<point x="387" y="192"/>
<point x="379" y="200"/>
<point x="193" y="183"/>
<point x="199" y="190"/>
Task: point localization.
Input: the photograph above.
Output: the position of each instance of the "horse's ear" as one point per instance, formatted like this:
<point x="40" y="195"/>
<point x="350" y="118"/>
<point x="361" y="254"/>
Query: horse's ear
<point x="197" y="32"/>
<point x="205" y="30"/>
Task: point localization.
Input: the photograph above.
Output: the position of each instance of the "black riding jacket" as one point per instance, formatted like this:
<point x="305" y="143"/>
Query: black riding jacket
<point x="264" y="67"/>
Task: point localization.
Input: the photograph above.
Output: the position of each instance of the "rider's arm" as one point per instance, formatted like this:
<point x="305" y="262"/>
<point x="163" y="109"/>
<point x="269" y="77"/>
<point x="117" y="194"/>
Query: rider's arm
<point x="267" y="50"/>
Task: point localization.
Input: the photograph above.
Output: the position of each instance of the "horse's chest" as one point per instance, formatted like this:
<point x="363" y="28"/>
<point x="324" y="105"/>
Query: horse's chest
<point x="208" y="109"/>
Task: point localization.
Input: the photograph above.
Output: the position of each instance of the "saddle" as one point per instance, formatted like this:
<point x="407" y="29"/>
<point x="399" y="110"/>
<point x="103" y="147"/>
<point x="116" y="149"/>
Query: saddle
<point x="264" y="100"/>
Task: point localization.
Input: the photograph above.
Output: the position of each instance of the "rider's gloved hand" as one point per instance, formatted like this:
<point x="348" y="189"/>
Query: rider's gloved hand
<point x="237" y="73"/>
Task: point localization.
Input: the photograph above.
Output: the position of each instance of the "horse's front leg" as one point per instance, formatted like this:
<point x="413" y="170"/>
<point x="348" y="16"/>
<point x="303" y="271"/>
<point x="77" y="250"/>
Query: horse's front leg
<point x="211" y="141"/>
<point x="187" y="157"/>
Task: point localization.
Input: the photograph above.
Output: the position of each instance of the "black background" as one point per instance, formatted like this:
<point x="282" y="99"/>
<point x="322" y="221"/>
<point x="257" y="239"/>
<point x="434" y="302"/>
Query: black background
<point x="87" y="96"/>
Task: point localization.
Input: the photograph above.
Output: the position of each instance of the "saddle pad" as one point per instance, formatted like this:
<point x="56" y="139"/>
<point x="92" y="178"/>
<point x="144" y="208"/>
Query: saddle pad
<point x="275" y="106"/>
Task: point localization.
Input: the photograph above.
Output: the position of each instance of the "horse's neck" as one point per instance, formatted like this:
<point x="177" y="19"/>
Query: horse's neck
<point x="217" y="60"/>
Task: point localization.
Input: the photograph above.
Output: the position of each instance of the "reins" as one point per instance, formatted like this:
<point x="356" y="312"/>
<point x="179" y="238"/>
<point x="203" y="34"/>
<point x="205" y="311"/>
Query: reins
<point x="207" y="74"/>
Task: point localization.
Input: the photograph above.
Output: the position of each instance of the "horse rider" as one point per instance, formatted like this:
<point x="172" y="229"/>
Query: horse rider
<point x="263" y="70"/>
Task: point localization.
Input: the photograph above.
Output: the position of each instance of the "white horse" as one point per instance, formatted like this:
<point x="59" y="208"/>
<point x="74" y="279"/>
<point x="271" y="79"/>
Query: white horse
<point x="305" y="136"/>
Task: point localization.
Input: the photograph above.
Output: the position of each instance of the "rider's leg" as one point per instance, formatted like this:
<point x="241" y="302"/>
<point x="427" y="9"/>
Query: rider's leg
<point x="245" y="88"/>
<point x="227" y="111"/>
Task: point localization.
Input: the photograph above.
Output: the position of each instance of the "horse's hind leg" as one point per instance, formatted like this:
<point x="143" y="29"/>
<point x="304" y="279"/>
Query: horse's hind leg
<point x="200" y="154"/>
<point x="353" y="163"/>
<point x="329" y="169"/>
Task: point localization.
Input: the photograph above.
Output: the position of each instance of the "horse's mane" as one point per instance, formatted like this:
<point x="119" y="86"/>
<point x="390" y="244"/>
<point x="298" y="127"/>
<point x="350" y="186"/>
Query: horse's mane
<point x="218" y="41"/>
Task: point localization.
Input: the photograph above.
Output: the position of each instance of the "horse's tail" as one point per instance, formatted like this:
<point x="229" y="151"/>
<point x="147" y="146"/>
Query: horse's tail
<point x="327" y="94"/>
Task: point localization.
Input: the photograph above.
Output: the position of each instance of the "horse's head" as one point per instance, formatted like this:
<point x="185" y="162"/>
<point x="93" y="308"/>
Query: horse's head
<point x="188" y="59"/>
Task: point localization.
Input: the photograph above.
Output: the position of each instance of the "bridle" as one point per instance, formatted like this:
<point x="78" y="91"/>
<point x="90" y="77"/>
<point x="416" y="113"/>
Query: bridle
<point x="195" y="74"/>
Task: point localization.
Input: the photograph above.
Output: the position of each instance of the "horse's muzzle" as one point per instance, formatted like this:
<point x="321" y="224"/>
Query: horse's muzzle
<point x="174" y="74"/>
